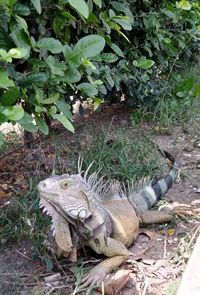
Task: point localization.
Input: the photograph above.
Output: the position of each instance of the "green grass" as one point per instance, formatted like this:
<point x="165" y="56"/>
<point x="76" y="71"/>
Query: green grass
<point x="122" y="154"/>
<point x="172" y="288"/>
<point x="179" y="104"/>
<point x="22" y="220"/>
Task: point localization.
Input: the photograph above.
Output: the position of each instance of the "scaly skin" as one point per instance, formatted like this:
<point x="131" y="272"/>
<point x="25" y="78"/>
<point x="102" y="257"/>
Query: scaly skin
<point x="124" y="230"/>
<point x="81" y="216"/>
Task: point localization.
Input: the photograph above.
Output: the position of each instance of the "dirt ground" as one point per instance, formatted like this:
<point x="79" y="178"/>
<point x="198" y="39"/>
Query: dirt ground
<point x="159" y="256"/>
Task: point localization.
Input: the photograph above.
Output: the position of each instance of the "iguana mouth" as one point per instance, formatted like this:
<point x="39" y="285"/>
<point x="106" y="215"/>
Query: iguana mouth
<point x="48" y="204"/>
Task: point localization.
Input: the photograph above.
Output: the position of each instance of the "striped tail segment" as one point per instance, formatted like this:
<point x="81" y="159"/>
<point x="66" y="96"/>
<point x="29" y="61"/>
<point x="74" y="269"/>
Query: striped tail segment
<point x="154" y="190"/>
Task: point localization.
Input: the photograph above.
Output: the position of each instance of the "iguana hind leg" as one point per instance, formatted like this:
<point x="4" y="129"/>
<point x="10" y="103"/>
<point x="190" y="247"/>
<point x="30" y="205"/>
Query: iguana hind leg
<point x="149" y="217"/>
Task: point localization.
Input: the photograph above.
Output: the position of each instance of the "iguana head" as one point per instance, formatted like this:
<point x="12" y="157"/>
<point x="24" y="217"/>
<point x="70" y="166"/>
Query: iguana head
<point x="67" y="194"/>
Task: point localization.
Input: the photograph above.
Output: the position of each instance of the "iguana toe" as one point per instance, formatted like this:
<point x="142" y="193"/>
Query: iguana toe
<point x="92" y="279"/>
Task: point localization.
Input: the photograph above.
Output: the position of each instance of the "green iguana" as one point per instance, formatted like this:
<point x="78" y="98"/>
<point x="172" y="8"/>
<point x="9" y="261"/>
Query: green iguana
<point x="86" y="211"/>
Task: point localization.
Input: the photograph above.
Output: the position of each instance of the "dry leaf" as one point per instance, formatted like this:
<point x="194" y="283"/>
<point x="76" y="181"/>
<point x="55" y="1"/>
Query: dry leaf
<point x="38" y="290"/>
<point x="150" y="234"/>
<point x="6" y="187"/>
<point x="3" y="194"/>
<point x="115" y="283"/>
<point x="171" y="231"/>
<point x="53" y="278"/>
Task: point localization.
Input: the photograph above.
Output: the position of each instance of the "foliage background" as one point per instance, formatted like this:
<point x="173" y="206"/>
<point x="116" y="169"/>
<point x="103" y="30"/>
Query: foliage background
<point x="54" y="53"/>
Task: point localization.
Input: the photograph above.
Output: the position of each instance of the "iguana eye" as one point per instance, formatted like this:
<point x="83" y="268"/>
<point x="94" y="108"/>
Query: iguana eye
<point x="65" y="184"/>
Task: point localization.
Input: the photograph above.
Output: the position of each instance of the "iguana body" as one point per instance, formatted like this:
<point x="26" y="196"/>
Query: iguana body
<point x="85" y="212"/>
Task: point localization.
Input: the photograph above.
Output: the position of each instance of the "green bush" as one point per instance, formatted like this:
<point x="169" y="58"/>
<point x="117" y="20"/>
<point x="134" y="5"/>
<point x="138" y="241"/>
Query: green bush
<point x="53" y="52"/>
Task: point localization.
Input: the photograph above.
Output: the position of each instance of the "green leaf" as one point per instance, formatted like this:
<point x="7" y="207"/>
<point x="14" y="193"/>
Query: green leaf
<point x="88" y="46"/>
<point x="37" y="5"/>
<point x="49" y="263"/>
<point x="10" y="96"/>
<point x="171" y="15"/>
<point x="21" y="24"/>
<point x="184" y="5"/>
<point x="123" y="22"/>
<point x="50" y="44"/>
<point x="123" y="35"/>
<point x="184" y="87"/>
<point x="98" y="3"/>
<point x="39" y="109"/>
<point x="4" y="15"/>
<point x="67" y="51"/>
<point x="87" y="89"/>
<point x="4" y="56"/>
<point x="37" y="62"/>
<point x="64" y="121"/>
<point x="59" y="23"/>
<point x="5" y="82"/>
<point x="20" y="38"/>
<point x="1" y="139"/>
<point x="143" y="63"/>
<point x="53" y="110"/>
<point x="97" y="102"/>
<point x="42" y="125"/>
<point x="188" y="84"/>
<point x="2" y="118"/>
<point x="39" y="94"/>
<point x="117" y="50"/>
<point x="27" y="123"/>
<point x="109" y="80"/>
<point x="123" y="8"/>
<point x="81" y="6"/>
<point x="109" y="57"/>
<point x="51" y="62"/>
<point x="13" y="113"/>
<point x="64" y="108"/>
<point x="181" y="93"/>
<point x="97" y="82"/>
<point x="18" y="52"/>
<point x="197" y="89"/>
<point x="72" y="75"/>
<point x="36" y="78"/>
<point x="21" y="9"/>
<point x="5" y="40"/>
<point x="52" y="99"/>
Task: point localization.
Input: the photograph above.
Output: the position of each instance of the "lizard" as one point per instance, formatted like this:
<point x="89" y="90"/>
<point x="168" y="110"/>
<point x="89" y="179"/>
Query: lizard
<point x="106" y="217"/>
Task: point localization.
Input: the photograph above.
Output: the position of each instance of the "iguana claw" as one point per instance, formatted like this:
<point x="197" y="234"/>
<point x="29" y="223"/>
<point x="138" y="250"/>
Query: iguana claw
<point x="92" y="279"/>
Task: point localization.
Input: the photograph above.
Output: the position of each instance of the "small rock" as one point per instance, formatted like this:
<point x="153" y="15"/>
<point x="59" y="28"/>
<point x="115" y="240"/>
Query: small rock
<point x="188" y="148"/>
<point x="198" y="165"/>
<point x="54" y="279"/>
<point x="197" y="143"/>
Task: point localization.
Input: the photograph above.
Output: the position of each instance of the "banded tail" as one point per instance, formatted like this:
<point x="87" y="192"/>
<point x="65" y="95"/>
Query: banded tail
<point x="154" y="190"/>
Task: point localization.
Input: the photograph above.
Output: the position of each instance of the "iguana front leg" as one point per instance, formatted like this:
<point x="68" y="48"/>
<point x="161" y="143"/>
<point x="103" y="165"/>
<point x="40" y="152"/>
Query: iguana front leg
<point x="114" y="249"/>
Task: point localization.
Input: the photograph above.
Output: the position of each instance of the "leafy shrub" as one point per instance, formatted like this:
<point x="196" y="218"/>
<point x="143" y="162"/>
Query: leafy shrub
<point x="52" y="53"/>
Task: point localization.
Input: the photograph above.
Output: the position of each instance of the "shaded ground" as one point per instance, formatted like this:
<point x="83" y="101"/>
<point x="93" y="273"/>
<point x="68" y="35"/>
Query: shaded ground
<point x="149" y="270"/>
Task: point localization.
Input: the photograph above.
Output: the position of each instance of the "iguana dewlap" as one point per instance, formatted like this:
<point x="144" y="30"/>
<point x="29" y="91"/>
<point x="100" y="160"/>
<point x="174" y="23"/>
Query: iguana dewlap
<point x="86" y="212"/>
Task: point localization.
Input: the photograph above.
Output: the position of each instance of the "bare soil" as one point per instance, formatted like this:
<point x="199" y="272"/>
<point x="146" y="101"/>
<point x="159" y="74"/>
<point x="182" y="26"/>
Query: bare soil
<point x="158" y="258"/>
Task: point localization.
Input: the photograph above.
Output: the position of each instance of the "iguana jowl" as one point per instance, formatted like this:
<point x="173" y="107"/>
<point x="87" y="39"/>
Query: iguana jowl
<point x="85" y="212"/>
